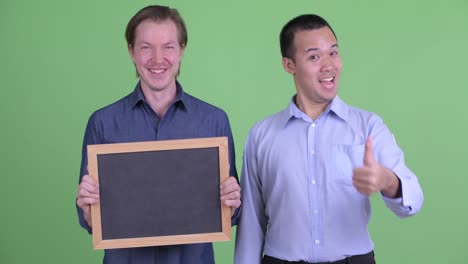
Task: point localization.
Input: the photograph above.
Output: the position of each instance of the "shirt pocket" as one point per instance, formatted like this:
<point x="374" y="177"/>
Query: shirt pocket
<point x="345" y="158"/>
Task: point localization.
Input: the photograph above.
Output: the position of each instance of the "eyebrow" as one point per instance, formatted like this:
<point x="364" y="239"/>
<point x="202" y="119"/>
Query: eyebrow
<point x="142" y="43"/>
<point x="170" y="43"/>
<point x="315" y="49"/>
<point x="148" y="43"/>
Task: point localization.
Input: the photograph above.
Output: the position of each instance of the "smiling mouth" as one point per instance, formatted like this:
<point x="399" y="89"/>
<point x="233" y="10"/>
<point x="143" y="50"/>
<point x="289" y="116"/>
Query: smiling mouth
<point x="328" y="83"/>
<point x="331" y="79"/>
<point x="157" y="71"/>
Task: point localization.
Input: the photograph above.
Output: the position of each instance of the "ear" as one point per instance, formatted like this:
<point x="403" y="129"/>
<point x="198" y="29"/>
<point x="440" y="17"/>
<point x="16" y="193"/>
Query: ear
<point x="289" y="66"/>
<point x="182" y="49"/>
<point x="131" y="52"/>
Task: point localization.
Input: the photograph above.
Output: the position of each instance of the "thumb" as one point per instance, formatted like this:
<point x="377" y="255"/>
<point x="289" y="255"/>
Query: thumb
<point x="369" y="159"/>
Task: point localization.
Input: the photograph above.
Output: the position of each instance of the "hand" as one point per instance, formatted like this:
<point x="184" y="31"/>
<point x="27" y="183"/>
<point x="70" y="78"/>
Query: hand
<point x="230" y="193"/>
<point x="88" y="194"/>
<point x="372" y="177"/>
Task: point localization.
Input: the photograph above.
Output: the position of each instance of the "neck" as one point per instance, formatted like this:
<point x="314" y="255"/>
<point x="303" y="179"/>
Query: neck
<point x="311" y="109"/>
<point x="161" y="100"/>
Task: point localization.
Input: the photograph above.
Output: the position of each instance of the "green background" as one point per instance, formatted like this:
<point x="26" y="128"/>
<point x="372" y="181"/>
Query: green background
<point x="61" y="60"/>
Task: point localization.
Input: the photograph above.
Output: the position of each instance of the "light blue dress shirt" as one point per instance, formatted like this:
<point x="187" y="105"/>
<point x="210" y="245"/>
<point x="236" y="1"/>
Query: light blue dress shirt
<point x="299" y="201"/>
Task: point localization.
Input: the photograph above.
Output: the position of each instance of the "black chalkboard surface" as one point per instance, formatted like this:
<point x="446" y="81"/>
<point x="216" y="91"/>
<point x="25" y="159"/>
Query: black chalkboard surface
<point x="159" y="192"/>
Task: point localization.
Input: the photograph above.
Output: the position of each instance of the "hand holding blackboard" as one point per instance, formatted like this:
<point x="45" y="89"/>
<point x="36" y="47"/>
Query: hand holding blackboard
<point x="230" y="193"/>
<point x="88" y="194"/>
<point x="160" y="192"/>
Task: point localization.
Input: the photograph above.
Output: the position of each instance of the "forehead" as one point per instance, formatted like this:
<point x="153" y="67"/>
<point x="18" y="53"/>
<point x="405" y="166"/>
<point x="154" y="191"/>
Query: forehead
<point x="321" y="38"/>
<point x="162" y="30"/>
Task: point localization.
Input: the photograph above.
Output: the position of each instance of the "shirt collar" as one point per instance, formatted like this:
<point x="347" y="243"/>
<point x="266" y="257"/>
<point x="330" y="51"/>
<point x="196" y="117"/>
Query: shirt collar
<point x="337" y="106"/>
<point x="340" y="108"/>
<point x="137" y="96"/>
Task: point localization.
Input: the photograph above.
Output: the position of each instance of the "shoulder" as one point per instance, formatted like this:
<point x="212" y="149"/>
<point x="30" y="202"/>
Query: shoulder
<point x="364" y="121"/>
<point x="199" y="106"/>
<point x="362" y="117"/>
<point x="112" y="110"/>
<point x="269" y="125"/>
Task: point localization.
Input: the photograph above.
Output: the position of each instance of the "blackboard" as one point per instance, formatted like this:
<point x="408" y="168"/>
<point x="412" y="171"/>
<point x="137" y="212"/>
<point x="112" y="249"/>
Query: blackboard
<point x="159" y="192"/>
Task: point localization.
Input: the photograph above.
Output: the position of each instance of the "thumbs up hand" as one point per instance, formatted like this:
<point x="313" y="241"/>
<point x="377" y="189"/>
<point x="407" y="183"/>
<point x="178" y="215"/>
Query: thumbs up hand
<point x="372" y="177"/>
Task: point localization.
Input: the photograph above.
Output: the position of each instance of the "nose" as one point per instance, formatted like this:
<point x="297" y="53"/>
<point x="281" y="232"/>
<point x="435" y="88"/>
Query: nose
<point x="157" y="55"/>
<point x="327" y="64"/>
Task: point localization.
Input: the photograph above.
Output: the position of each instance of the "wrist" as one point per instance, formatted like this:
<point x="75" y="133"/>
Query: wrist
<point x="392" y="186"/>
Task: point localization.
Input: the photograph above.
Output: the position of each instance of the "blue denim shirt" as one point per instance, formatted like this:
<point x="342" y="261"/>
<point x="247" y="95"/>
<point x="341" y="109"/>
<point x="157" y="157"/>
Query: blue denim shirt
<point x="131" y="119"/>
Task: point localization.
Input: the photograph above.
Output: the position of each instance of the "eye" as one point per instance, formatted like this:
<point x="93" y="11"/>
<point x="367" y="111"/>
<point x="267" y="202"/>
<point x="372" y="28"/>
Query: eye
<point x="334" y="53"/>
<point x="314" y="57"/>
<point x="169" y="47"/>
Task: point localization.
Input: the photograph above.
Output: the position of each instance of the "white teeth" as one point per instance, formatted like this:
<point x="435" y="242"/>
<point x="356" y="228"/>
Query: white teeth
<point x="156" y="71"/>
<point x="327" y="79"/>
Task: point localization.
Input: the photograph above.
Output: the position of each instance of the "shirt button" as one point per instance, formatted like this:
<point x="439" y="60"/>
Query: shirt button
<point x="313" y="124"/>
<point x="315" y="211"/>
<point x="312" y="151"/>
<point x="317" y="241"/>
<point x="313" y="182"/>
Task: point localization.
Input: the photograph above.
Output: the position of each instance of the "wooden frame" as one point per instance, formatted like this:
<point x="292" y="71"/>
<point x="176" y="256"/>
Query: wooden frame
<point x="96" y="151"/>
